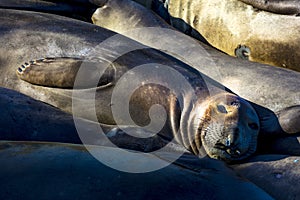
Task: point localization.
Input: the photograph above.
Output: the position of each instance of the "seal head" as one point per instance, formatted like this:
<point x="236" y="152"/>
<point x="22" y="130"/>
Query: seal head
<point x="227" y="126"/>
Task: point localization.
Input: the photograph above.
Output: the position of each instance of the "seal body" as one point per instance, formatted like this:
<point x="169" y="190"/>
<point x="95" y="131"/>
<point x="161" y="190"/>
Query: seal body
<point x="225" y="125"/>
<point x="73" y="165"/>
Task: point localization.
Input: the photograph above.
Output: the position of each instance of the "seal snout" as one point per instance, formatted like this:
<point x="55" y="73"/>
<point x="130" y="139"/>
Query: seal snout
<point x="230" y="143"/>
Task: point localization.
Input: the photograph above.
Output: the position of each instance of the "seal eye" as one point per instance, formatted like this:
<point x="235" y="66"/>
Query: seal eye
<point x="221" y="109"/>
<point x="253" y="126"/>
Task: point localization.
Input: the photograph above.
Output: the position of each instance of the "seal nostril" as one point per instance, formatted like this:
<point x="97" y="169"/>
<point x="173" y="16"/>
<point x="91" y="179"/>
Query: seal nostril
<point x="228" y="142"/>
<point x="222" y="109"/>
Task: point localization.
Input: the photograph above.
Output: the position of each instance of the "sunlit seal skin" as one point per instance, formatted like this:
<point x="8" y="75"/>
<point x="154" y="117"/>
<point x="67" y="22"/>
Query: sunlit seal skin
<point x="285" y="7"/>
<point x="73" y="173"/>
<point x="241" y="30"/>
<point x="62" y="43"/>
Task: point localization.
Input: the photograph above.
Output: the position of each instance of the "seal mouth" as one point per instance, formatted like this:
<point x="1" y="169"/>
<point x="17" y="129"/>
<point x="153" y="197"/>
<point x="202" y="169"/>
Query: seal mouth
<point x="232" y="151"/>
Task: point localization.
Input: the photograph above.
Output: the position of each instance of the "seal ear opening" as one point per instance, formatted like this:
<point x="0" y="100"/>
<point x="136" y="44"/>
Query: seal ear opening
<point x="61" y="72"/>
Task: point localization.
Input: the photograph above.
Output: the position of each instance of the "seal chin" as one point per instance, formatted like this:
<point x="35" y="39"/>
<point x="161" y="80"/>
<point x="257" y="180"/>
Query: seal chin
<point x="227" y="154"/>
<point x="232" y="151"/>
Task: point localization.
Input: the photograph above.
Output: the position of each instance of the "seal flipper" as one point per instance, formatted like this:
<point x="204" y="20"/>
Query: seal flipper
<point x="279" y="132"/>
<point x="289" y="119"/>
<point x="61" y="72"/>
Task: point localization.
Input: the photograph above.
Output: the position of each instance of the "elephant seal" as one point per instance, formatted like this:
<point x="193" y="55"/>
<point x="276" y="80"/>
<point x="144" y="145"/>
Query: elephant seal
<point x="291" y="7"/>
<point x="239" y="29"/>
<point x="59" y="44"/>
<point x="73" y="173"/>
<point x="225" y="125"/>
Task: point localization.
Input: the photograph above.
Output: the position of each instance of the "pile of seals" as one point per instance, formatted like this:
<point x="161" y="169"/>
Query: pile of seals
<point x="219" y="124"/>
